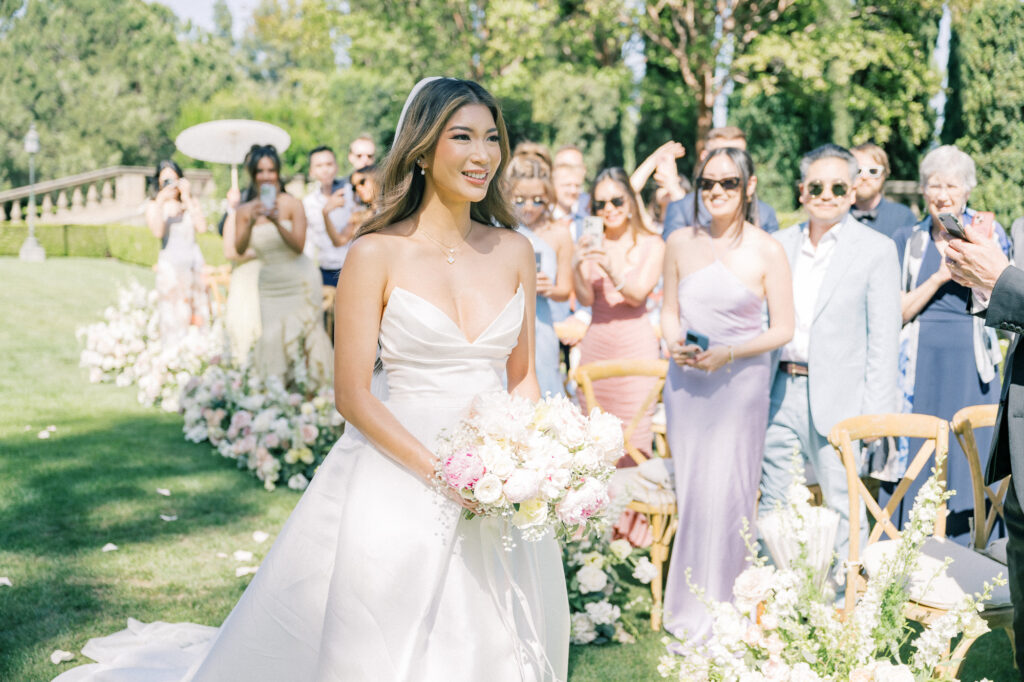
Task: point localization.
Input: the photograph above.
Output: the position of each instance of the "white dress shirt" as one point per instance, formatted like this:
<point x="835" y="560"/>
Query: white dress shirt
<point x="808" y="276"/>
<point x="319" y="246"/>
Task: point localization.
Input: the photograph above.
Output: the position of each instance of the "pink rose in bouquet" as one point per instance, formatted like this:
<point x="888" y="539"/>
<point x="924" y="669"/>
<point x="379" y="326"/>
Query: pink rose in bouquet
<point x="462" y="469"/>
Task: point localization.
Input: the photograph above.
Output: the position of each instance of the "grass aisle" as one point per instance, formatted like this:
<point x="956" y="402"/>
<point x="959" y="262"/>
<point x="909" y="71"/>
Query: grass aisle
<point x="94" y="481"/>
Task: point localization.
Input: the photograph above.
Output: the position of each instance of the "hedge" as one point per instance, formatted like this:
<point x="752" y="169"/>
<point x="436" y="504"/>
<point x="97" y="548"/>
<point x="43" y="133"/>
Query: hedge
<point x="127" y="243"/>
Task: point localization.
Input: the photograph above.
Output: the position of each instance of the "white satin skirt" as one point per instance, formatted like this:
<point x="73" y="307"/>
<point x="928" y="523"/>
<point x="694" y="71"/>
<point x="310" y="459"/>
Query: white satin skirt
<point x="375" y="576"/>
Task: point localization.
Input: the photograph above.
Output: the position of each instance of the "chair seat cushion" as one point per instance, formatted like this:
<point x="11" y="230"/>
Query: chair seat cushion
<point x="997" y="550"/>
<point x="932" y="586"/>
<point x="649" y="483"/>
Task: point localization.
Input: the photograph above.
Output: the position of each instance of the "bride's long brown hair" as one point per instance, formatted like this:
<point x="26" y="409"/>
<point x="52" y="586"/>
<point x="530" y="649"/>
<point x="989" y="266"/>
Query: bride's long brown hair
<point x="401" y="185"/>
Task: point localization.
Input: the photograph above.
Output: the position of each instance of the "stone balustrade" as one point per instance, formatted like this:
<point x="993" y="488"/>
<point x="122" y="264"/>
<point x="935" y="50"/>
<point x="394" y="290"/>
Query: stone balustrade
<point x="109" y="195"/>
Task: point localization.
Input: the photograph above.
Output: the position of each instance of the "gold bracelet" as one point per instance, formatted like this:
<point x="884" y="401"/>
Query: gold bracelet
<point x="730" y="355"/>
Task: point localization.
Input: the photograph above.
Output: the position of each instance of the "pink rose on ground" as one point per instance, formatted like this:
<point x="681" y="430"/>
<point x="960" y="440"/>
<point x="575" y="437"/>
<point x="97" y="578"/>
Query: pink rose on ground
<point x="294" y="399"/>
<point x="245" y="445"/>
<point x="462" y="470"/>
<point x="309" y="433"/>
<point x="271" y="440"/>
<point x="217" y="390"/>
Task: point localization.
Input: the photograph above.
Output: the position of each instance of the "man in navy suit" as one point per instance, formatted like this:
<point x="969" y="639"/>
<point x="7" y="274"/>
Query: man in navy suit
<point x="680" y="213"/>
<point x="871" y="207"/>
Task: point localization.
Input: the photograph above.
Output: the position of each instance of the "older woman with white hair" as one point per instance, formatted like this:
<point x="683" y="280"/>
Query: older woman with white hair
<point x="948" y="359"/>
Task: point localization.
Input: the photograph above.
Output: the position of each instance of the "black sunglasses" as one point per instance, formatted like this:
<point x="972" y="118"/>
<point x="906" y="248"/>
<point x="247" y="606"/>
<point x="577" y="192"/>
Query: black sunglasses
<point x="816" y="187"/>
<point x="728" y="184"/>
<point x="617" y="202"/>
<point x="537" y="201"/>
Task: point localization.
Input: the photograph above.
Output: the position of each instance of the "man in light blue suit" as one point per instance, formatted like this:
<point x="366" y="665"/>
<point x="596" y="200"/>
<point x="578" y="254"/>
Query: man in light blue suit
<point x="842" y="360"/>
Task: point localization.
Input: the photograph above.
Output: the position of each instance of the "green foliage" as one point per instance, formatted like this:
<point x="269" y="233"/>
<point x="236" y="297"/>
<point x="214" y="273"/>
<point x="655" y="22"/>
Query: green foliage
<point x="103" y="81"/>
<point x="127" y="243"/>
<point x="986" y="118"/>
<point x="804" y="85"/>
<point x="86" y="241"/>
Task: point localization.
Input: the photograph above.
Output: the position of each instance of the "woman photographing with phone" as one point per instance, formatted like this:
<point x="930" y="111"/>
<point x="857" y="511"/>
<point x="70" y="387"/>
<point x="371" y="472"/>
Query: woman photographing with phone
<point x="948" y="359"/>
<point x="616" y="267"/>
<point x="174" y="217"/>
<point x="273" y="223"/>
<point x="717" y="281"/>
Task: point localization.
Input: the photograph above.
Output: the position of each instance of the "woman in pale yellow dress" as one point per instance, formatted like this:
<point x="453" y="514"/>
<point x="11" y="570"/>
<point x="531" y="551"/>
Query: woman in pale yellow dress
<point x="273" y="223"/>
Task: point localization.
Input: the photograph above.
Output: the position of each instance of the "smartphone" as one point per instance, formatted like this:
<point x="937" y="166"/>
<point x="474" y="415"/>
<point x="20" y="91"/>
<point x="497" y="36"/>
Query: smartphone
<point x="594" y="227"/>
<point x="168" y="182"/>
<point x="952" y="225"/>
<point x="696" y="339"/>
<point x="337" y="184"/>
<point x="537" y="258"/>
<point x="984" y="222"/>
<point x="268" y="195"/>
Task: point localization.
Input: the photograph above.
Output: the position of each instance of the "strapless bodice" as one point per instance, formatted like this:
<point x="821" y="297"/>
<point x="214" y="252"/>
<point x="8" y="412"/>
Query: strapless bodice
<point x="428" y="358"/>
<point x="269" y="245"/>
<point x="713" y="301"/>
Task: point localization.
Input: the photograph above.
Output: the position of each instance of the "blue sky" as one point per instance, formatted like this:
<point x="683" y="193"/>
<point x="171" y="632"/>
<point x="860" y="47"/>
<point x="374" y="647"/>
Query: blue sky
<point x="201" y="11"/>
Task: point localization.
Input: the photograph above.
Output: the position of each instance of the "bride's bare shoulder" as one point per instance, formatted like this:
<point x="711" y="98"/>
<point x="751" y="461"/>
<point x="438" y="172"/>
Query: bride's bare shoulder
<point x="506" y="241"/>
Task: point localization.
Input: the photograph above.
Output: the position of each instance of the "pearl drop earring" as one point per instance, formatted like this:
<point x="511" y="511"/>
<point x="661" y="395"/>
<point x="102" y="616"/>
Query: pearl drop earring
<point x="423" y="171"/>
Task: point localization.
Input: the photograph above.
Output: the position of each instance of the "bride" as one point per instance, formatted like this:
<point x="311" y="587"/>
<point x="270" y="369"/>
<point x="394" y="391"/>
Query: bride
<point x="376" y="575"/>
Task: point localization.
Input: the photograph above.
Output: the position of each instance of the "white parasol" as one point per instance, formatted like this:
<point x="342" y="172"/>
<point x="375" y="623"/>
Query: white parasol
<point x="228" y="140"/>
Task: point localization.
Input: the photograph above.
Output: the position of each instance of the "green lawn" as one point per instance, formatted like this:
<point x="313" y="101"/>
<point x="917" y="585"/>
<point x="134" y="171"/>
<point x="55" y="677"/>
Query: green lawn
<point x="94" y="481"/>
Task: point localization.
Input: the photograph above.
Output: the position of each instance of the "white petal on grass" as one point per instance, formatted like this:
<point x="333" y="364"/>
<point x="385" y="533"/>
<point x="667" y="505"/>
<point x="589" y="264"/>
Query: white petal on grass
<point x="163" y="491"/>
<point x="109" y="547"/>
<point x="260" y="536"/>
<point x="245" y="570"/>
<point x="5" y="581"/>
<point x="222" y="555"/>
<point x="43" y="435"/>
<point x="51" y="428"/>
<point x="169" y="517"/>
<point x="59" y="656"/>
<point x="242" y="555"/>
<point x="28" y="427"/>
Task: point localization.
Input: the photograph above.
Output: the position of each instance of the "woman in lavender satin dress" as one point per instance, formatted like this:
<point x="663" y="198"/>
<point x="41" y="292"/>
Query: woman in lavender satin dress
<point x="716" y="399"/>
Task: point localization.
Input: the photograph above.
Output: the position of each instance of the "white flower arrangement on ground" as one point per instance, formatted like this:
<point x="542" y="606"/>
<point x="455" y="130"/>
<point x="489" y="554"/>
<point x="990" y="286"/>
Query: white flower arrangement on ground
<point x="782" y="624"/>
<point x="277" y="433"/>
<point x="113" y="346"/>
<point x="601" y="577"/>
<point x="543" y="466"/>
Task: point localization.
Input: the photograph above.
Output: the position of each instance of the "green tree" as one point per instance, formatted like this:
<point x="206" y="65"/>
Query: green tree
<point x="985" y="116"/>
<point x="103" y="82"/>
<point x="863" y="76"/>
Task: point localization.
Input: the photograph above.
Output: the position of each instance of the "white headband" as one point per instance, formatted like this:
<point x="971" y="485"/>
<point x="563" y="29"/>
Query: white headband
<point x="408" y="100"/>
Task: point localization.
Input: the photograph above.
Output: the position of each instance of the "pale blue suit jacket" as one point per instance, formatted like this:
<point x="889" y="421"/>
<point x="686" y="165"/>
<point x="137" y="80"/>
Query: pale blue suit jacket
<point x="854" y="344"/>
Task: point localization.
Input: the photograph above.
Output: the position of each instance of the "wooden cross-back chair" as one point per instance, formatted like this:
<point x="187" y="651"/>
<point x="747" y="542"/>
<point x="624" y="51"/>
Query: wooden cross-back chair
<point x="328" y="307"/>
<point x="968" y="569"/>
<point x="217" y="279"/>
<point x="964" y="422"/>
<point x="656" y="503"/>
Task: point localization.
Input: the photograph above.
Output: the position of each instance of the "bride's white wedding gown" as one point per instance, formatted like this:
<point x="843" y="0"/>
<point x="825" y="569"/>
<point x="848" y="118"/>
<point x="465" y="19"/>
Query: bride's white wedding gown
<point x="376" y="576"/>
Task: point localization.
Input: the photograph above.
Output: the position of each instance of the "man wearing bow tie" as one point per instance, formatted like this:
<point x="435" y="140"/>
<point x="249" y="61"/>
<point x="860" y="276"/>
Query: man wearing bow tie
<point x="870" y="207"/>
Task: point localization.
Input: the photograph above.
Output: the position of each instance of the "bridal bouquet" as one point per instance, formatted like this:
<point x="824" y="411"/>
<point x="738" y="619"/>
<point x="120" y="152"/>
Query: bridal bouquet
<point x="543" y="466"/>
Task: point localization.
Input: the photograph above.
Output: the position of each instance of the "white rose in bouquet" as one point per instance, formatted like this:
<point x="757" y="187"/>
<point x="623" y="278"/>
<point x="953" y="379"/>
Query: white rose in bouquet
<point x="753" y="586"/>
<point x="605" y="432"/>
<point x="531" y="513"/>
<point x="521" y="485"/>
<point x="488" y="489"/>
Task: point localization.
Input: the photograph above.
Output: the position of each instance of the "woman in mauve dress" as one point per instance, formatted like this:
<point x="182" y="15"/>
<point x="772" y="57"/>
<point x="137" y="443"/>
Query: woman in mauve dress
<point x="717" y="280"/>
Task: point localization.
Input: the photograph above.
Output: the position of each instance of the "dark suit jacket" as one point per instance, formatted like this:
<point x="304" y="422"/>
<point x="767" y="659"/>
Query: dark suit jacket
<point x="1006" y="312"/>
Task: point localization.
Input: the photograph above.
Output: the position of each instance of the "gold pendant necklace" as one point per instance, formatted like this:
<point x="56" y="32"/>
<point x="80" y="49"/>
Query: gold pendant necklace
<point x="449" y="251"/>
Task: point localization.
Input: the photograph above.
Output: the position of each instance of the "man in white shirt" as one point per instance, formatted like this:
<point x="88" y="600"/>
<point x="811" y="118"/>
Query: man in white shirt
<point x="842" y="359"/>
<point x="332" y="198"/>
<point x="568" y="176"/>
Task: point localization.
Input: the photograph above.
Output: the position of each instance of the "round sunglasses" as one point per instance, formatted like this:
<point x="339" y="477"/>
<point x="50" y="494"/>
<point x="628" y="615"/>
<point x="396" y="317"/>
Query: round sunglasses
<point x="728" y="184"/>
<point x="816" y="188"/>
<point x="617" y="202"/>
